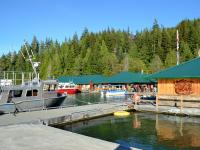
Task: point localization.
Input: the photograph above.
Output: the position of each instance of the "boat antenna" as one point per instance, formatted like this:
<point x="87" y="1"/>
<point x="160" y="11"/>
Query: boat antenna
<point x="32" y="54"/>
<point x="30" y="59"/>
<point x="23" y="55"/>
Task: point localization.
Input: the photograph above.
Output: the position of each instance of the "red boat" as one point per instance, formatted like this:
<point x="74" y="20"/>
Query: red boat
<point x="67" y="88"/>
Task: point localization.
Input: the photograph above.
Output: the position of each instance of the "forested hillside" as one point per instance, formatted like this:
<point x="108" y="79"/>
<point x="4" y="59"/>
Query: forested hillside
<point x="109" y="51"/>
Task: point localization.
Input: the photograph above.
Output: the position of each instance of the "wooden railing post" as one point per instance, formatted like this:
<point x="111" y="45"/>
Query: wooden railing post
<point x="181" y="105"/>
<point x="157" y="102"/>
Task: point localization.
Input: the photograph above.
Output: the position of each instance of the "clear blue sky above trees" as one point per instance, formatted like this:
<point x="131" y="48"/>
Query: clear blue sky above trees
<point x="22" y="19"/>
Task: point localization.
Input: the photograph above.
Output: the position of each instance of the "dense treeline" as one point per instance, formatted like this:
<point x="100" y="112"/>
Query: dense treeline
<point x="109" y="51"/>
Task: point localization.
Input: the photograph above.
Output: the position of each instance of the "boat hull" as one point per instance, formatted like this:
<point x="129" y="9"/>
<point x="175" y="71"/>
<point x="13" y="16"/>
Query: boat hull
<point x="34" y="104"/>
<point x="113" y="93"/>
<point x="68" y="91"/>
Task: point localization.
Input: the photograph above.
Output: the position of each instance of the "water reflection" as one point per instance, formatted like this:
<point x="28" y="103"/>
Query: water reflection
<point x="91" y="98"/>
<point x="136" y="121"/>
<point x="182" y="134"/>
<point x="144" y="130"/>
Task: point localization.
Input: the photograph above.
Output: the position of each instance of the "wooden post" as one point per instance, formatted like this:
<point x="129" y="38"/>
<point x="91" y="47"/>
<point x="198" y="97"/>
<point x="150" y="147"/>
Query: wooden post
<point x="157" y="122"/>
<point x="181" y="105"/>
<point x="157" y="102"/>
<point x="181" y="126"/>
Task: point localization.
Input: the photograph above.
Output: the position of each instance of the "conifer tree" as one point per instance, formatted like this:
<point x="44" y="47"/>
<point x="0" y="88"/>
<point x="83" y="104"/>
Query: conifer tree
<point x="170" y="59"/>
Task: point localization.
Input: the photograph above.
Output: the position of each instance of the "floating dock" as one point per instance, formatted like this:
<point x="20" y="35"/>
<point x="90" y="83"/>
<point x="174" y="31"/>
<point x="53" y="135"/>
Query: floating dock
<point x="62" y="115"/>
<point x="41" y="137"/>
<point x="29" y="130"/>
<point x="168" y="110"/>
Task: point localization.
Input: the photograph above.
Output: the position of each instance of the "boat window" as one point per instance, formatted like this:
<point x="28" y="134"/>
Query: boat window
<point x="32" y="93"/>
<point x="72" y="86"/>
<point x="61" y="86"/>
<point x="16" y="93"/>
<point x="49" y="87"/>
<point x="35" y="92"/>
<point x="1" y="90"/>
<point x="35" y="83"/>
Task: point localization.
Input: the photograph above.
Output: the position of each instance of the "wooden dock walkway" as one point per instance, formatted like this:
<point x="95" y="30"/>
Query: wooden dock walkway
<point x="168" y="110"/>
<point x="26" y="130"/>
<point x="40" y="137"/>
<point x="62" y="115"/>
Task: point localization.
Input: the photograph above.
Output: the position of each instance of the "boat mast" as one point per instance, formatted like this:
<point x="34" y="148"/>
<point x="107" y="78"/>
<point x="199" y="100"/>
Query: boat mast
<point x="33" y="64"/>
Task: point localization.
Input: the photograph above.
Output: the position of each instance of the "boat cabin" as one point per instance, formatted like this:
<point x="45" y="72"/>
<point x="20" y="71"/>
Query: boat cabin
<point x="29" y="90"/>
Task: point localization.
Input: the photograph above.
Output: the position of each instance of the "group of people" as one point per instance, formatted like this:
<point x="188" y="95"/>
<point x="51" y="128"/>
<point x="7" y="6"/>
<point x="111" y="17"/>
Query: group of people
<point x="143" y="88"/>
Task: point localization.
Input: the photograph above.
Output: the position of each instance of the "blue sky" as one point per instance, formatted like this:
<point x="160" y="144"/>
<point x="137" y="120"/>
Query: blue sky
<point x="22" y="19"/>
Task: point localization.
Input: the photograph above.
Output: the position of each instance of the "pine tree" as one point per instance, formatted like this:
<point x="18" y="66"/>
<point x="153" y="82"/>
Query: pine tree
<point x="170" y="59"/>
<point x="35" y="46"/>
<point x="165" y="44"/>
<point x="137" y="65"/>
<point x="106" y="52"/>
<point x="185" y="52"/>
<point x="156" y="64"/>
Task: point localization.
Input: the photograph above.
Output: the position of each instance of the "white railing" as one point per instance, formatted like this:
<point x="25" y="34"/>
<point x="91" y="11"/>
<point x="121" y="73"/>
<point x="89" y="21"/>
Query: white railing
<point x="15" y="77"/>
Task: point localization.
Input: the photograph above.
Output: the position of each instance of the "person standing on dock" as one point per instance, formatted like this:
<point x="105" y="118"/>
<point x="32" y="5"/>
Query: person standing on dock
<point x="136" y="98"/>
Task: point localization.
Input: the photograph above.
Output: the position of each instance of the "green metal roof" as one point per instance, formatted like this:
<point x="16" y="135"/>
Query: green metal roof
<point x="123" y="77"/>
<point x="84" y="79"/>
<point x="189" y="69"/>
<point x="128" y="77"/>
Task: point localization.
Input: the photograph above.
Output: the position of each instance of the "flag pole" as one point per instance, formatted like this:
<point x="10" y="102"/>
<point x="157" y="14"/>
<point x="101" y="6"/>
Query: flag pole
<point x="177" y="47"/>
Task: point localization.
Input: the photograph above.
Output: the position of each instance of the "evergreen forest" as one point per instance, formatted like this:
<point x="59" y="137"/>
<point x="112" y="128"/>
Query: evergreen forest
<point x="109" y="51"/>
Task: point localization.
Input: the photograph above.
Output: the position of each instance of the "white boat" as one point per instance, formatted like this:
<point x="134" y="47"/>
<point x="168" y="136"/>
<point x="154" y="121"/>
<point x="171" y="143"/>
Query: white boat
<point x="113" y="93"/>
<point x="30" y="96"/>
<point x="68" y="87"/>
<point x="34" y="94"/>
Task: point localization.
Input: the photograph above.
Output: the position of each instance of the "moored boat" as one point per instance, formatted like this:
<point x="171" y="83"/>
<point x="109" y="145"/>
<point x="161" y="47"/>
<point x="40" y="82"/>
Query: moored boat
<point x="31" y="95"/>
<point x="113" y="92"/>
<point x="68" y="88"/>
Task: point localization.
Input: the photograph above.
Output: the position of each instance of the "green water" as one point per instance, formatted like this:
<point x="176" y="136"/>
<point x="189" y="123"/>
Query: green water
<point x="143" y="130"/>
<point x="140" y="130"/>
